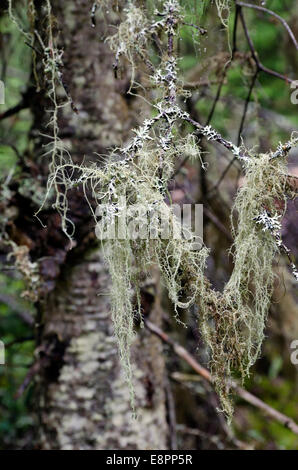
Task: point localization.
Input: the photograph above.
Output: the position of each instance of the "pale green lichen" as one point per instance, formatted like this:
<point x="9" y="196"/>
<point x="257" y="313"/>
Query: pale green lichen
<point x="141" y="184"/>
<point x="131" y="37"/>
<point x="232" y="322"/>
<point x="223" y="8"/>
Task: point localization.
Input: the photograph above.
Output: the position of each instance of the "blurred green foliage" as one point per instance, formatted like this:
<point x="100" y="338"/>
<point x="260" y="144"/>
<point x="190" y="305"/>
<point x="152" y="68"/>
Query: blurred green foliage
<point x="15" y="421"/>
<point x="15" y="65"/>
<point x="277" y="391"/>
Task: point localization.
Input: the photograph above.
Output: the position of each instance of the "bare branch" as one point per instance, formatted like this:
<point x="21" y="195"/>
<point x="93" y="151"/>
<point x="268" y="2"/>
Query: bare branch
<point x="247" y="396"/>
<point x="272" y="13"/>
<point x="254" y="54"/>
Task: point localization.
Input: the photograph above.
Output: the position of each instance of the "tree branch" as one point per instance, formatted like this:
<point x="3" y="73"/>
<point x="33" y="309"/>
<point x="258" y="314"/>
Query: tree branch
<point x="272" y="13"/>
<point x="247" y="396"/>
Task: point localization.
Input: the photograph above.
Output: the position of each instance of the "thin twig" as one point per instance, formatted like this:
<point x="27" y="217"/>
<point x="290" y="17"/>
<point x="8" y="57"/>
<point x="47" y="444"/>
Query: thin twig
<point x="215" y="187"/>
<point x="222" y="176"/>
<point x="247" y="396"/>
<point x="220" y="85"/>
<point x="253" y="82"/>
<point x="13" y="147"/>
<point x="171" y="415"/>
<point x="24" y="103"/>
<point x="218" y="224"/>
<point x="14" y="110"/>
<point x="202" y="31"/>
<point x="226" y="68"/>
<point x="272" y="13"/>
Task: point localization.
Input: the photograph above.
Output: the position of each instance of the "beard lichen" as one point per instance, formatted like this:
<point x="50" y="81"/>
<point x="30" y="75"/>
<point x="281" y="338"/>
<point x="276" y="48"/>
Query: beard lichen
<point x="131" y="37"/>
<point x="223" y="9"/>
<point x="141" y="181"/>
<point x="138" y="174"/>
<point x="233" y="322"/>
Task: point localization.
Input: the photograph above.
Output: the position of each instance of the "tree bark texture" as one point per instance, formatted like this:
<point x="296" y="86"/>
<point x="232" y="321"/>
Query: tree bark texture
<point x="83" y="398"/>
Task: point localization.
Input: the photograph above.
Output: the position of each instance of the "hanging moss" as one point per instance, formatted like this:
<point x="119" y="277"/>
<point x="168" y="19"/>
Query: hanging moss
<point x="137" y="175"/>
<point x="131" y="37"/>
<point x="233" y="322"/>
<point x="223" y="8"/>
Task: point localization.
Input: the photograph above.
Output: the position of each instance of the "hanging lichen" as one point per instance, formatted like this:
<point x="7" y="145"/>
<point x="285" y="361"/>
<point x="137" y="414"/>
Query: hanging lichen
<point x="233" y="322"/>
<point x="223" y="8"/>
<point x="133" y="183"/>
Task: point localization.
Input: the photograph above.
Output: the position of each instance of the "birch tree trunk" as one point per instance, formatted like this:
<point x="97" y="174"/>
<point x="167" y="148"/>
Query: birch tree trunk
<point x="82" y="399"/>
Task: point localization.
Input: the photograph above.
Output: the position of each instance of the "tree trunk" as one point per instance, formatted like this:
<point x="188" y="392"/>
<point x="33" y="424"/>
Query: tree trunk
<point x="82" y="398"/>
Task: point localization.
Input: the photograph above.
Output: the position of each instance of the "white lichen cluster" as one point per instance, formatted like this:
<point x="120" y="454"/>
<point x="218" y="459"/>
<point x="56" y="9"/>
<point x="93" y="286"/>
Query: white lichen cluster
<point x="272" y="223"/>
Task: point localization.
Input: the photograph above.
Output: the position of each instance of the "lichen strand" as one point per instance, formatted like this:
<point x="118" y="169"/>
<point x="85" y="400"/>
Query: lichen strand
<point x="181" y="267"/>
<point x="130" y="39"/>
<point x="233" y="322"/>
<point x="141" y="183"/>
<point x="223" y="9"/>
